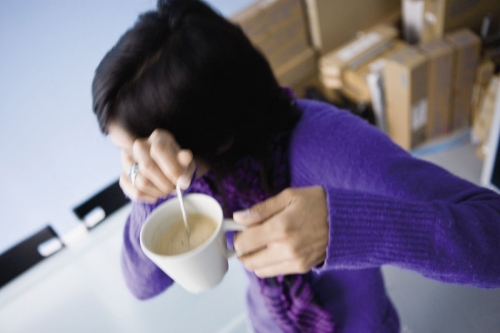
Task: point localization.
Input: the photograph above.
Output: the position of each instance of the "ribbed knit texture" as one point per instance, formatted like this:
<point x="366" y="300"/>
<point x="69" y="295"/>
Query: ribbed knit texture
<point x="385" y="207"/>
<point x="369" y="239"/>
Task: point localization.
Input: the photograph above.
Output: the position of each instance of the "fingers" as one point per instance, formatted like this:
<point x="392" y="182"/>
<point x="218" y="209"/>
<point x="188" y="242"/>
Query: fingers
<point x="293" y="240"/>
<point x="133" y="192"/>
<point x="263" y="210"/>
<point x="277" y="259"/>
<point x="149" y="168"/>
<point x="163" y="151"/>
<point x="143" y="190"/>
<point x="161" y="164"/>
<point x="275" y="229"/>
<point x="185" y="158"/>
<point x="281" y="268"/>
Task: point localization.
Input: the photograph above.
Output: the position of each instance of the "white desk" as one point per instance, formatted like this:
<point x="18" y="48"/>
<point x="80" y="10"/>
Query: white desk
<point x="81" y="289"/>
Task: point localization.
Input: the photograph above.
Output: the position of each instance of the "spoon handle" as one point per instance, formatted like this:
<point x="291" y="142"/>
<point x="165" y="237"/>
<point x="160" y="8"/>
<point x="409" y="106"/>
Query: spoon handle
<point x="183" y="210"/>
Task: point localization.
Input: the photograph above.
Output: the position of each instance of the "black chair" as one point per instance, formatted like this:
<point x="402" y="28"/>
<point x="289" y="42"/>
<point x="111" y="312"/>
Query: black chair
<point x="21" y="257"/>
<point x="106" y="202"/>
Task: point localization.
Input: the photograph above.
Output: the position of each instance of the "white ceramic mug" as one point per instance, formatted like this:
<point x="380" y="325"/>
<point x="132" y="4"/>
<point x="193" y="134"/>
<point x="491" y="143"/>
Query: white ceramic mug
<point x="203" y="267"/>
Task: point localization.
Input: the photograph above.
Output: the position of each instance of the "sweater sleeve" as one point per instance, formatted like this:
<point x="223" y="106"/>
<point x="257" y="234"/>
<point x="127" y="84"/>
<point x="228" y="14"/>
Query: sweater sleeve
<point x="142" y="276"/>
<point x="386" y="207"/>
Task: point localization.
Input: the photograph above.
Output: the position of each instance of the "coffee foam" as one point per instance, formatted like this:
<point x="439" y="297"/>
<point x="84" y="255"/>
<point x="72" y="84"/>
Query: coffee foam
<point x="174" y="239"/>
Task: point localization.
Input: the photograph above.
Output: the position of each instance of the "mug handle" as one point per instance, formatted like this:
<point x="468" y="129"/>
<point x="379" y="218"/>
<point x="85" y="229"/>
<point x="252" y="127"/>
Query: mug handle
<point x="230" y="225"/>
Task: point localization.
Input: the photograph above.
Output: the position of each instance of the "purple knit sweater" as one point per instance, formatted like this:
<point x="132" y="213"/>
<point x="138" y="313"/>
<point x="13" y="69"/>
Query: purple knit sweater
<point x="385" y="207"/>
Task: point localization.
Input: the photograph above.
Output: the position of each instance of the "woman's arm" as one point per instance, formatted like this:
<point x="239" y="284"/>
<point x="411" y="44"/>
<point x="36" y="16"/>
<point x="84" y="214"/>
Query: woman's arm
<point x="382" y="206"/>
<point x="455" y="241"/>
<point x="386" y="207"/>
<point x="142" y="276"/>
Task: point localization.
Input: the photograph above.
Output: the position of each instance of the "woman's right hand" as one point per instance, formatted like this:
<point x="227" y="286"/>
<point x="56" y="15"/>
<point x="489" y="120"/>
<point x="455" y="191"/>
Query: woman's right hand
<point x="161" y="164"/>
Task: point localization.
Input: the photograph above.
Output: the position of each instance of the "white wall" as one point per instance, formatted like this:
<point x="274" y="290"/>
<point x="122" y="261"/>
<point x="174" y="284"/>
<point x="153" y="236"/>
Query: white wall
<point x="53" y="156"/>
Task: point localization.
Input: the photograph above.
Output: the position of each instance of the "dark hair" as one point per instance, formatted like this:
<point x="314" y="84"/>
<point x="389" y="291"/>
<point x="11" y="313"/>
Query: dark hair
<point x="186" y="69"/>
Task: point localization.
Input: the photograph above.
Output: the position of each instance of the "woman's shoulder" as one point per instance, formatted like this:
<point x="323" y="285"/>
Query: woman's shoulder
<point x="322" y="124"/>
<point x="327" y="135"/>
<point x="320" y="116"/>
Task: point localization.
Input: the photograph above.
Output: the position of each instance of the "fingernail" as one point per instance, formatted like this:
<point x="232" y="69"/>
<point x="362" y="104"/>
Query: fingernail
<point x="242" y="214"/>
<point x="184" y="181"/>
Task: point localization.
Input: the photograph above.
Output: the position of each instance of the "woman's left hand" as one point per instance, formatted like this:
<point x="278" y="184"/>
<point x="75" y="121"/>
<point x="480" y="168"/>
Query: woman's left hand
<point x="286" y="234"/>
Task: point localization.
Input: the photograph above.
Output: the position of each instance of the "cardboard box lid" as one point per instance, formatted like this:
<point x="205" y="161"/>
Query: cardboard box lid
<point x="462" y="38"/>
<point x="356" y="52"/>
<point x="436" y="48"/>
<point x="375" y="64"/>
<point x="409" y="57"/>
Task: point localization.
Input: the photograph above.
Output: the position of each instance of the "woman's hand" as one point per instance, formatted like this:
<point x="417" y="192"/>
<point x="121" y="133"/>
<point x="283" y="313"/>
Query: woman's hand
<point x="286" y="234"/>
<point x="161" y="164"/>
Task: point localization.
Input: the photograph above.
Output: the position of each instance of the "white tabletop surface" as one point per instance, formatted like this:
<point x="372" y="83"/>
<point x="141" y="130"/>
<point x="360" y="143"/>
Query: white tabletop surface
<point x="81" y="289"/>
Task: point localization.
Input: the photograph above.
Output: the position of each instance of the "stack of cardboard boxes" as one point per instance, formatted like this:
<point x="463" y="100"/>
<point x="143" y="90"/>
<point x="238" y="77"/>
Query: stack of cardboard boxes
<point x="278" y="28"/>
<point x="425" y="20"/>
<point x="426" y="89"/>
<point x="354" y="54"/>
<point x="417" y="92"/>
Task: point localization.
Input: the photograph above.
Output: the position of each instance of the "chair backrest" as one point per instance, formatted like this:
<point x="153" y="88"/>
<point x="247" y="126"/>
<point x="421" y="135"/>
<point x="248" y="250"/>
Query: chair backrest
<point x="26" y="254"/>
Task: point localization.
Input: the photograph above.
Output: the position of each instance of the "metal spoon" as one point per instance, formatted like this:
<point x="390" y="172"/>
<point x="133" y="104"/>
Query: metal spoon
<point x="183" y="210"/>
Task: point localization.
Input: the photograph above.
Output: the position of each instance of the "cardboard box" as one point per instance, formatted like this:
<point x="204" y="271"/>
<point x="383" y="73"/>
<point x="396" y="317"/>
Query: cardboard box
<point x="484" y="73"/>
<point x="298" y="69"/>
<point x="355" y="53"/>
<point x="264" y="16"/>
<point x="287" y="52"/>
<point x="467" y="47"/>
<point x="286" y="42"/>
<point x="330" y="83"/>
<point x="278" y="28"/>
<point x="481" y="128"/>
<point x="405" y="85"/>
<point x="335" y="22"/>
<point x="439" y="87"/>
<point x="356" y="79"/>
<point x="431" y="19"/>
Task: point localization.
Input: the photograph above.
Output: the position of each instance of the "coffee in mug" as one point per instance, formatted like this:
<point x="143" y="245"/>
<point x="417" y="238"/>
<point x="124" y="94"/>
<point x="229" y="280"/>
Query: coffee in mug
<point x="175" y="240"/>
<point x="198" y="266"/>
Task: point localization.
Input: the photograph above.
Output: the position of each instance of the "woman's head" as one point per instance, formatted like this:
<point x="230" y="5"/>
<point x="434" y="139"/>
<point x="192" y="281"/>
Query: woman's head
<point x="184" y="68"/>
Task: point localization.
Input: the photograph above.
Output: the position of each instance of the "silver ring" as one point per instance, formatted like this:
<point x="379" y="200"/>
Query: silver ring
<point x="132" y="173"/>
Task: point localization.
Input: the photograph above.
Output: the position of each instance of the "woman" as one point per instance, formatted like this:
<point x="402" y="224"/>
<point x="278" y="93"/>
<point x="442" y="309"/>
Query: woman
<point x="326" y="197"/>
